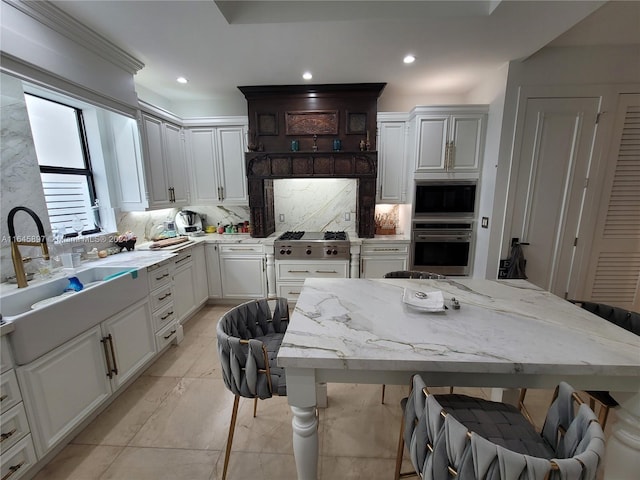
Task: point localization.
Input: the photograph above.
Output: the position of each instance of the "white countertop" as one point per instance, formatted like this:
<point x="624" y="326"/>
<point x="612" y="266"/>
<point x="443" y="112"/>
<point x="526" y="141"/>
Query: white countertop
<point x="503" y="327"/>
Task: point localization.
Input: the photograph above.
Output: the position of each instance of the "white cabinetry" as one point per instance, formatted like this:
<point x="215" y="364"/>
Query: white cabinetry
<point x="17" y="454"/>
<point x="379" y="258"/>
<point x="189" y="282"/>
<point x="200" y="287"/>
<point x="214" y="280"/>
<point x="290" y="274"/>
<point x="217" y="165"/>
<point x="392" y="151"/>
<point x="64" y="386"/>
<point x="242" y="271"/>
<point x="165" y="320"/>
<point x="165" y="163"/>
<point x="450" y="139"/>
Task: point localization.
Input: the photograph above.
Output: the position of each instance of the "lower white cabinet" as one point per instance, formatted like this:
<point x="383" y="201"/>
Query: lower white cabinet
<point x="190" y="282"/>
<point x="242" y="271"/>
<point x="214" y="280"/>
<point x="18" y="459"/>
<point x="61" y="388"/>
<point x="291" y="274"/>
<point x="200" y="288"/>
<point x="379" y="258"/>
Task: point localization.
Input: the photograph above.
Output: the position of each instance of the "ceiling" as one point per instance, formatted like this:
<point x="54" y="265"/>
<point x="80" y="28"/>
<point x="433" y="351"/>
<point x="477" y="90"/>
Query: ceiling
<point x="221" y="45"/>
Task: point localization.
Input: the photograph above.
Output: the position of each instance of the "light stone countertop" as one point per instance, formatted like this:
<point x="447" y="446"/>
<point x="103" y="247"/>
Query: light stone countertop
<point x="503" y="327"/>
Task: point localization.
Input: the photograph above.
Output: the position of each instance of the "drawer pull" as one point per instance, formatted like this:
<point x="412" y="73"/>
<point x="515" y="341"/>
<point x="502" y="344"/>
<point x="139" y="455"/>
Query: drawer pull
<point x="241" y="249"/>
<point x="293" y="293"/>
<point x="326" y="271"/>
<point x="3" y="398"/>
<point x="386" y="249"/>
<point x="167" y="315"/>
<point x="170" y="334"/>
<point x="4" y="436"/>
<point x="163" y="276"/>
<point x="164" y="296"/>
<point x="298" y="271"/>
<point x="183" y="259"/>
<point x="13" y="469"/>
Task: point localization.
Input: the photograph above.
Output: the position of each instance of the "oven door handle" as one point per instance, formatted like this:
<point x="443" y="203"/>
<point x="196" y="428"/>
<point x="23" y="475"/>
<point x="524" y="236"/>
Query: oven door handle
<point x="446" y="237"/>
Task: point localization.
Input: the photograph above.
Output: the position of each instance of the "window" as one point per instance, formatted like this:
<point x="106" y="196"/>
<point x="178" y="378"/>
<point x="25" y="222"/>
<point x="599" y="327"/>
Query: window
<point x="65" y="168"/>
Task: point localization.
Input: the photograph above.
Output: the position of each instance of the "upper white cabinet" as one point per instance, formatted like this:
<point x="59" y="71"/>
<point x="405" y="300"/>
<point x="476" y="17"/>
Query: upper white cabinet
<point x="450" y="139"/>
<point x="165" y="163"/>
<point x="393" y="130"/>
<point x="218" y="174"/>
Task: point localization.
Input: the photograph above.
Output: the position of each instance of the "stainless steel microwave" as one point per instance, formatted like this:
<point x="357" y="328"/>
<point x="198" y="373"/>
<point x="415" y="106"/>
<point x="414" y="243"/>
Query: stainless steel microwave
<point x="444" y="198"/>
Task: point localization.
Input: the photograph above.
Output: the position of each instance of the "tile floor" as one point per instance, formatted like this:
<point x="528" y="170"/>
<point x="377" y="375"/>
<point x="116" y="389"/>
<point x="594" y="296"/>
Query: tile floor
<point x="172" y="423"/>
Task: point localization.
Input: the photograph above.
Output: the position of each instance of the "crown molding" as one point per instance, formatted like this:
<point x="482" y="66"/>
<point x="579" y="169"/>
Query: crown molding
<point x="64" y="24"/>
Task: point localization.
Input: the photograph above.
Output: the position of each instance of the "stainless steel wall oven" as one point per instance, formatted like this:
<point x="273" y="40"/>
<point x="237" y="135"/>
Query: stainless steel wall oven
<point x="442" y="246"/>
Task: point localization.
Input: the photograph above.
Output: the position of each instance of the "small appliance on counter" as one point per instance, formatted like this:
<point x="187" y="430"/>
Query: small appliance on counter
<point x="189" y="222"/>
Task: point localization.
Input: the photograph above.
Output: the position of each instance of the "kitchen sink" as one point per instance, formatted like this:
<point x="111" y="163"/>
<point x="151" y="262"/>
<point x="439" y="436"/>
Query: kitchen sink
<point x="44" y="316"/>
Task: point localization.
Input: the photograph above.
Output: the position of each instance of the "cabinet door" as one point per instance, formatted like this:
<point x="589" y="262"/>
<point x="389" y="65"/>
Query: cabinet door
<point x="176" y="164"/>
<point x="204" y="181"/>
<point x="377" y="267"/>
<point x="133" y="341"/>
<point x="231" y="169"/>
<point x="155" y="163"/>
<point x="466" y="136"/>
<point x="185" y="300"/>
<point x="432" y="142"/>
<point x="391" y="162"/>
<point x="200" y="289"/>
<point x="213" y="271"/>
<point x="243" y="276"/>
<point x="61" y="388"/>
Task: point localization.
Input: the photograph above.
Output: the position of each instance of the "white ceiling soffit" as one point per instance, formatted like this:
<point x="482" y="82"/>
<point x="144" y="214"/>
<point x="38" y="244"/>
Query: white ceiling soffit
<point x="253" y="12"/>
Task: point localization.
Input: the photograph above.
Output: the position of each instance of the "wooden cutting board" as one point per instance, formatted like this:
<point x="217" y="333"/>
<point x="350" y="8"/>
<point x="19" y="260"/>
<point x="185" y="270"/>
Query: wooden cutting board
<point x="168" y="242"/>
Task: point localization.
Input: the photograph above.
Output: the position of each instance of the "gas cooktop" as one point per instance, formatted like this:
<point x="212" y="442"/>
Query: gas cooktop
<point x="315" y="245"/>
<point x="313" y="236"/>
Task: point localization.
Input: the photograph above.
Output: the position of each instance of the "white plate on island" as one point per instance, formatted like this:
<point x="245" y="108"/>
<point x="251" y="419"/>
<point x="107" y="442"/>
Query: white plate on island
<point x="424" y="301"/>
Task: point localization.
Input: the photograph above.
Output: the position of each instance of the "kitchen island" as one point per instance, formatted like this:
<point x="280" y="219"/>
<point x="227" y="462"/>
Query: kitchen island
<point x="506" y="334"/>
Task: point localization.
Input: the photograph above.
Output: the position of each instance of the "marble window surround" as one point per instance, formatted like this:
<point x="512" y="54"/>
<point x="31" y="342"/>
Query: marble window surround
<point x="506" y="334"/>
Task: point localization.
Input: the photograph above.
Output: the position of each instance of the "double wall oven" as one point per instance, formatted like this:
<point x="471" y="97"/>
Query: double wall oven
<point x="442" y="226"/>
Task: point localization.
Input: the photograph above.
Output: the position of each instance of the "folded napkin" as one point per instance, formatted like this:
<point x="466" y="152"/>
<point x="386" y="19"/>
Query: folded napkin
<point x="424" y="301"/>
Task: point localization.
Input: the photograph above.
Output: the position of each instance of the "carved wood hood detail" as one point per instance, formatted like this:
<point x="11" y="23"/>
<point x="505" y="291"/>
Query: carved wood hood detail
<point x="347" y="112"/>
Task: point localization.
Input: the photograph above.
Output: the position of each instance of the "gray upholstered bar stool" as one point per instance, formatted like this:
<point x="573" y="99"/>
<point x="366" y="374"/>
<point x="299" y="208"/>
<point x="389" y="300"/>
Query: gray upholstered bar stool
<point x="249" y="337"/>
<point x="471" y="438"/>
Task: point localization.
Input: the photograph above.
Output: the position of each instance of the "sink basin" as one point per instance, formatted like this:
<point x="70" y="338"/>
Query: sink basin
<point x="44" y="318"/>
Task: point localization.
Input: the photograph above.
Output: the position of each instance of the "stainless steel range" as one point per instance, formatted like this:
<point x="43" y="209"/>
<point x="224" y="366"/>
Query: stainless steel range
<point x="312" y="245"/>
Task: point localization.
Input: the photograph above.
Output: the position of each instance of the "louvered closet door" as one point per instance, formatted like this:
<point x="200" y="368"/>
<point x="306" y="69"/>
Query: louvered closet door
<point x="615" y="272"/>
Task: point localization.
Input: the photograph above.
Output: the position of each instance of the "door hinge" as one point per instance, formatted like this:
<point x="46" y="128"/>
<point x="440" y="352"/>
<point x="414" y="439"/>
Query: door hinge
<point x="575" y="242"/>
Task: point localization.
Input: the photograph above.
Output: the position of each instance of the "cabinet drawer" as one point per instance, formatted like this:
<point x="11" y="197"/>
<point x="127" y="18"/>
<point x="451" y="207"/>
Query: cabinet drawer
<point x="163" y="317"/>
<point x="302" y="270"/>
<point x="13" y="427"/>
<point x="290" y="291"/>
<point x="161" y="297"/>
<point x="241" y="249"/>
<point x="18" y="459"/>
<point x="9" y="391"/>
<point x="384" y="249"/>
<point x="6" y="361"/>
<point x="165" y="336"/>
<point x="159" y="276"/>
<point x="184" y="258"/>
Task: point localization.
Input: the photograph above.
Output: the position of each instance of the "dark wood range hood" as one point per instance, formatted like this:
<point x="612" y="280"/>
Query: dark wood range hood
<point x="311" y="131"/>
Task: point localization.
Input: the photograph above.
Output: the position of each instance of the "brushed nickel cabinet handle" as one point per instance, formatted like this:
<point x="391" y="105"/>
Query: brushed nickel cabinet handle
<point x="297" y="271"/>
<point x="183" y="259"/>
<point x="326" y="271"/>
<point x="164" y="296"/>
<point x="167" y="315"/>
<point x="3" y="398"/>
<point x="163" y="276"/>
<point x="170" y="334"/>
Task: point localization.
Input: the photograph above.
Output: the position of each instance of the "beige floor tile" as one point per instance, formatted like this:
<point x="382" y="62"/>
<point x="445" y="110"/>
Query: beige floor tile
<point x="207" y="365"/>
<point x="205" y="321"/>
<point x="194" y="415"/>
<point x="178" y="359"/>
<point x="79" y="462"/>
<point x="354" y="468"/>
<point x="160" y="463"/>
<point x="118" y="424"/>
<point x="356" y="424"/>
<point x="258" y="466"/>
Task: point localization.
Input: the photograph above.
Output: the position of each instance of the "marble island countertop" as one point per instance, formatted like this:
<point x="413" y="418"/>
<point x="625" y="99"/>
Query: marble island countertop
<point x="505" y="327"/>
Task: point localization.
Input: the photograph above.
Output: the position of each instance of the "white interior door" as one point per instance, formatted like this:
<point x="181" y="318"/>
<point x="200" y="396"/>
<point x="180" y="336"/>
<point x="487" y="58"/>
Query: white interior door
<point x="553" y="163"/>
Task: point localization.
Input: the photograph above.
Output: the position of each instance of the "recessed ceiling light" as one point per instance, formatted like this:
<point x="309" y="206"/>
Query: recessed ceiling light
<point x="181" y="80"/>
<point x="409" y="59"/>
<point x="307" y="75"/>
